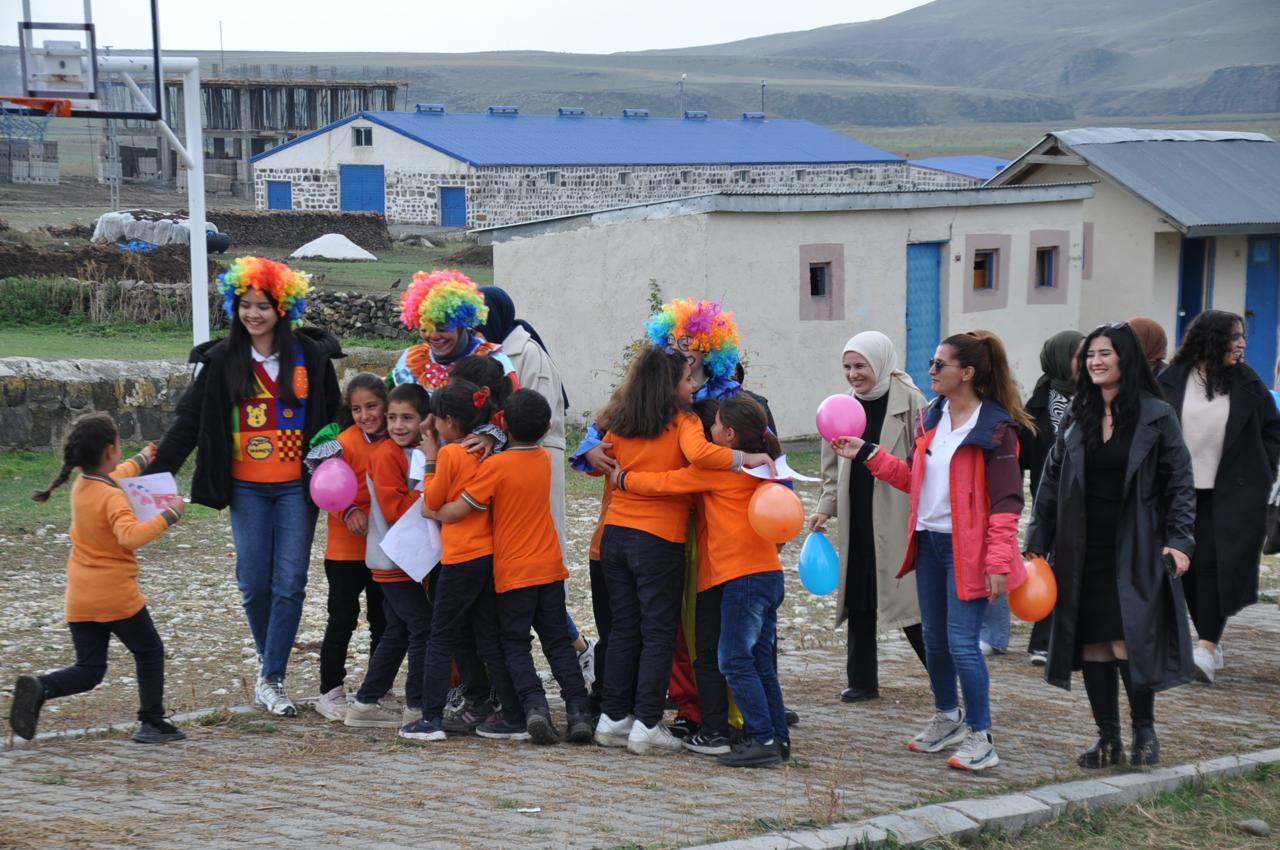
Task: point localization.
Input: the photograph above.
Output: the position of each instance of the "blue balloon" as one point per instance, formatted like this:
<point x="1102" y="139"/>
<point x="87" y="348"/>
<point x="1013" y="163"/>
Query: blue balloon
<point x="819" y="564"/>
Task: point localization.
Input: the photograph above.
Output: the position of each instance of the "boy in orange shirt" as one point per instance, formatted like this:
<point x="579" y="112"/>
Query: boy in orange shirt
<point x="528" y="566"/>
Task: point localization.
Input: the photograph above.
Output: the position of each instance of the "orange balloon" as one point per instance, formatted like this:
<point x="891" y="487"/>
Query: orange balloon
<point x="1033" y="600"/>
<point x="775" y="512"/>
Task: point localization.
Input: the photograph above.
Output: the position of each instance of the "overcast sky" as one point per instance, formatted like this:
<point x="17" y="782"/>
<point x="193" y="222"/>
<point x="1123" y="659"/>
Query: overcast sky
<point x="576" y="26"/>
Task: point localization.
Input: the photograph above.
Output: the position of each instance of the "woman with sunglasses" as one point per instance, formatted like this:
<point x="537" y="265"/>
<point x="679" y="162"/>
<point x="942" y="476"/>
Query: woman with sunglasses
<point x="1115" y="509"/>
<point x="962" y="541"/>
<point x="1232" y="428"/>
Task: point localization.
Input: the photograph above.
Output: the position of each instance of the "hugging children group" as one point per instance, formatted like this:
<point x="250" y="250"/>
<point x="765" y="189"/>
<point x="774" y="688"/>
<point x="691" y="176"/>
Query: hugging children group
<point x="676" y="570"/>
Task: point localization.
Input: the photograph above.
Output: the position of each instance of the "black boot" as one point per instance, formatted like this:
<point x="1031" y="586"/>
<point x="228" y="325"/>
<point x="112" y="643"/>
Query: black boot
<point x="1101" y="685"/>
<point x="1145" y="751"/>
<point x="581" y="726"/>
<point x="29" y="693"/>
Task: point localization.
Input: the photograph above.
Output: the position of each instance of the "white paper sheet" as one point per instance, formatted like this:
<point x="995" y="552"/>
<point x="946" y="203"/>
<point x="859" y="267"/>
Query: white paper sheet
<point x="784" y="471"/>
<point x="413" y="543"/>
<point x="149" y="494"/>
<point x="417" y="467"/>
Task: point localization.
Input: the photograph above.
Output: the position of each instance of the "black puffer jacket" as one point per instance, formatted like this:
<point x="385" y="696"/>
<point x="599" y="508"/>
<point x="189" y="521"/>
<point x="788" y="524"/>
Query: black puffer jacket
<point x="203" y="417"/>
<point x="1157" y="509"/>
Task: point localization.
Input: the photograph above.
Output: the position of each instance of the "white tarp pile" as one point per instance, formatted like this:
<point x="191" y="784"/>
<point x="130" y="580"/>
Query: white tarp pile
<point x="332" y="246"/>
<point x="144" y="225"/>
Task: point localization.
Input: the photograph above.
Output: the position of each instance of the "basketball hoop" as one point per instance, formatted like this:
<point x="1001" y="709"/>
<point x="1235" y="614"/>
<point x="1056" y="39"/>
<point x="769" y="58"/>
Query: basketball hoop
<point x="28" y="117"/>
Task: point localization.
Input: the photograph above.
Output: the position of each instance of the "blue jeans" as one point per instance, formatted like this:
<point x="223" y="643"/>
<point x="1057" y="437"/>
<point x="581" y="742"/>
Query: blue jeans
<point x="951" y="628"/>
<point x="995" y="624"/>
<point x="748" y="630"/>
<point x="272" y="526"/>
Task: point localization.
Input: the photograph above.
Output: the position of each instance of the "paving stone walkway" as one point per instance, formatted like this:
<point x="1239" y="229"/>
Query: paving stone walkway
<point x="250" y="780"/>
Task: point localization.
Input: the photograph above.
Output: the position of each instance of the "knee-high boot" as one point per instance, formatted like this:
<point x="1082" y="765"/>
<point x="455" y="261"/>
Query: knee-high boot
<point x="1103" y="688"/>
<point x="1145" y="750"/>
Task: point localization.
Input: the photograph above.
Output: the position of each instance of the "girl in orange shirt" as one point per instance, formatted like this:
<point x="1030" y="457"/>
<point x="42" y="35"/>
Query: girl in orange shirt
<point x="649" y="426"/>
<point x="364" y="415"/>
<point x="103" y="597"/>
<point x="739" y="591"/>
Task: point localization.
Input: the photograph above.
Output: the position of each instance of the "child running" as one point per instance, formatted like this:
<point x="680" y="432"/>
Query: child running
<point x="407" y="608"/>
<point x="742" y="572"/>
<point x="103" y="597"/>
<point x="464" y="590"/>
<point x="528" y="566"/>
<point x="364" y="412"/>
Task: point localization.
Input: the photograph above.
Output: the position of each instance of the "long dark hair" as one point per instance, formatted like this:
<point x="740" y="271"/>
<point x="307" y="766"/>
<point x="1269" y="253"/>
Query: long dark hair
<point x="1206" y="344"/>
<point x="366" y="381"/>
<point x="241" y="382"/>
<point x="646" y="402"/>
<point x="484" y="371"/>
<point x="748" y="419"/>
<point x="1135" y="379"/>
<point x="992" y="378"/>
<point x="468" y="404"/>
<point x="90" y="436"/>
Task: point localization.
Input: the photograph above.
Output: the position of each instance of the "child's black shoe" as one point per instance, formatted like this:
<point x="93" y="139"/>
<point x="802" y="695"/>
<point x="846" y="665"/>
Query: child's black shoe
<point x="540" y="728"/>
<point x="158" y="732"/>
<point x="498" y="727"/>
<point x="682" y="727"/>
<point x="24" y="712"/>
<point x="752" y="753"/>
<point x="581" y="726"/>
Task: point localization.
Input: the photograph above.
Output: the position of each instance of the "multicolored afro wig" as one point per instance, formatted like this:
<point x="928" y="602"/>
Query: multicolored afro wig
<point x="706" y="327"/>
<point x="287" y="287"/>
<point x="444" y="300"/>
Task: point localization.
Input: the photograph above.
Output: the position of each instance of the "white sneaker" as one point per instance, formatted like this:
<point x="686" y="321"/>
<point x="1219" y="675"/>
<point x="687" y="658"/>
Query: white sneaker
<point x="1204" y="668"/>
<point x="372" y="715"/>
<point x="1217" y="657"/>
<point x="1038" y="657"/>
<point x="270" y="694"/>
<point x="985" y="647"/>
<point x="613" y="733"/>
<point x="656" y="737"/>
<point x="587" y="661"/>
<point x="940" y="733"/>
<point x="410" y="716"/>
<point x="333" y="704"/>
<point x="977" y="752"/>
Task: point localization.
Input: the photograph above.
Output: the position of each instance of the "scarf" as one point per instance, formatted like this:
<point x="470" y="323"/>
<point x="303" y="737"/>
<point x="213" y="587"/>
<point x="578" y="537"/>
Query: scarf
<point x="1056" y="356"/>
<point x="502" y="321"/>
<point x="1152" y="338"/>
<point x="878" y="351"/>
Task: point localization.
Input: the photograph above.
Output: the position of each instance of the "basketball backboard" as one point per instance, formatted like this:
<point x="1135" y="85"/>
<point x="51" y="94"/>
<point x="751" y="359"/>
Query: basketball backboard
<point x="62" y="45"/>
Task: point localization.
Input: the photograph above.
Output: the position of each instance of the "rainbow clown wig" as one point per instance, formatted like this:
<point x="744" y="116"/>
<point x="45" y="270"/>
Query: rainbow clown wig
<point x="444" y="300"/>
<point x="287" y="287"/>
<point x="704" y="327"/>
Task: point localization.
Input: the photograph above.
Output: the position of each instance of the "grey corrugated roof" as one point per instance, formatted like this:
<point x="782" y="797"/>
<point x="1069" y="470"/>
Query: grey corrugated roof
<point x="1111" y="135"/>
<point x="1205" y="187"/>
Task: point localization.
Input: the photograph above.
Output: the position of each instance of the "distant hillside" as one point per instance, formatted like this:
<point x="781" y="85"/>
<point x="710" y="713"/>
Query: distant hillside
<point x="1102" y="56"/>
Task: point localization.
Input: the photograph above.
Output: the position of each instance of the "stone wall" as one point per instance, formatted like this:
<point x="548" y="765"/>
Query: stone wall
<point x="40" y="398"/>
<point x="358" y="315"/>
<point x="931" y="178"/>
<point x="292" y="229"/>
<point x="506" y="195"/>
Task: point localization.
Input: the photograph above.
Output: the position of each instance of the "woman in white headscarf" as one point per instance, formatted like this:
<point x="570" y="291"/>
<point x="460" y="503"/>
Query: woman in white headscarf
<point x="872" y="515"/>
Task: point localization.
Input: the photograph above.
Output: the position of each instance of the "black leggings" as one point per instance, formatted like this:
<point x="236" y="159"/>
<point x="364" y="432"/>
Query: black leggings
<point x="862" y="666"/>
<point x="139" y="636"/>
<point x="1200" y="584"/>
<point x="347" y="580"/>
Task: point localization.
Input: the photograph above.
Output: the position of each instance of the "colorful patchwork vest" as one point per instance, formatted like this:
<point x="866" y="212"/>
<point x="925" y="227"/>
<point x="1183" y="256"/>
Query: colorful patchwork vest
<point x="267" y="442"/>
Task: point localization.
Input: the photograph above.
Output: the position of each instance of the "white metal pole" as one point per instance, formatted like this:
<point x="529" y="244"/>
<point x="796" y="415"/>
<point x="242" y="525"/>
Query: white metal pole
<point x="195" y="205"/>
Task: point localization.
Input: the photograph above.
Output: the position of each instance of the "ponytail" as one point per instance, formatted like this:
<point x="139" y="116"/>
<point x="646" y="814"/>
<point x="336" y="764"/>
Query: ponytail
<point x="90" y="436"/>
<point x="748" y="419"/>
<point x="992" y="378"/>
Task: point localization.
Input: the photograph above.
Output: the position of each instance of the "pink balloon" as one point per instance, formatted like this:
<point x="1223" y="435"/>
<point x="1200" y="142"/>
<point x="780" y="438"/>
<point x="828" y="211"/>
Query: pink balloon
<point x="841" y="416"/>
<point x="333" y="485"/>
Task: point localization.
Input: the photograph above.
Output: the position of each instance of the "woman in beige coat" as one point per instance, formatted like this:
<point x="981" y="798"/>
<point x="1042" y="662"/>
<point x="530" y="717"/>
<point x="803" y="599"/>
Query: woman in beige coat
<point x="872" y="515"/>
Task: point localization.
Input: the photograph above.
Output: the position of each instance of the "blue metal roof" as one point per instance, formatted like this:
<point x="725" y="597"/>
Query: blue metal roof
<point x="975" y="165"/>
<point x="482" y="139"/>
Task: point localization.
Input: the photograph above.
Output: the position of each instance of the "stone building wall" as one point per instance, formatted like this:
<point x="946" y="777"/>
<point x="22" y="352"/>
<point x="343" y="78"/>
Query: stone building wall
<point x="507" y="195"/>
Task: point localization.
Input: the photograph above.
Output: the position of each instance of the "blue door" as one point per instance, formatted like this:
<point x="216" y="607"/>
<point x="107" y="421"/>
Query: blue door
<point x="361" y="188"/>
<point x="453" y="206"/>
<point x="923" y="310"/>
<point x="279" y="195"/>
<point x="1193" y="274"/>
<point x="1262" y="305"/>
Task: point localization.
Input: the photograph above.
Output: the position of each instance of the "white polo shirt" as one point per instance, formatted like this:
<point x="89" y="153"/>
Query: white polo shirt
<point x="271" y="364"/>
<point x="934" y="505"/>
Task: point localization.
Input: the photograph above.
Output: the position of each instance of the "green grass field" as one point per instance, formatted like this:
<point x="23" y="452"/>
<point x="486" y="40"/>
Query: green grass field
<point x="398" y="263"/>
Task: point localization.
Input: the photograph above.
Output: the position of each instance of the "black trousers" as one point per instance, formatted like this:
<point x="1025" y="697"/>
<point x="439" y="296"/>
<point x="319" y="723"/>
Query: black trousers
<point x="347" y="580"/>
<point x="408" y="614"/>
<point x="541" y="608"/>
<point x="465" y="596"/>
<point x="139" y="636"/>
<point x="604" y="623"/>
<point x="862" y="667"/>
<point x="645" y="577"/>
<point x="713" y="690"/>
<point x="1200" y="584"/>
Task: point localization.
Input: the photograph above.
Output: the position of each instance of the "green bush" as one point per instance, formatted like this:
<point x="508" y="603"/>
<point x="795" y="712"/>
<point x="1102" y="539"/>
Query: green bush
<point x="41" y="300"/>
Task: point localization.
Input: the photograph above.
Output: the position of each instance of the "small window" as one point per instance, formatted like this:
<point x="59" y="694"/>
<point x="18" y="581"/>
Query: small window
<point x="1046" y="260"/>
<point x="819" y="278"/>
<point x="802" y="174"/>
<point x="624" y="178"/>
<point x="984" y="269"/>
<point x="686" y="176"/>
<point x="553" y="178"/>
<point x="740" y="176"/>
<point x="363" y="136"/>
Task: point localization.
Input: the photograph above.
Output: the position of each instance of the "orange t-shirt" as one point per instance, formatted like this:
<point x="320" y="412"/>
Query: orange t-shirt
<point x="389" y="472"/>
<point x="472" y="536"/>
<point x="733" y="549"/>
<point x="356" y="451"/>
<point x="102" y="572"/>
<point x="683" y="442"/>
<point x="516" y="484"/>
